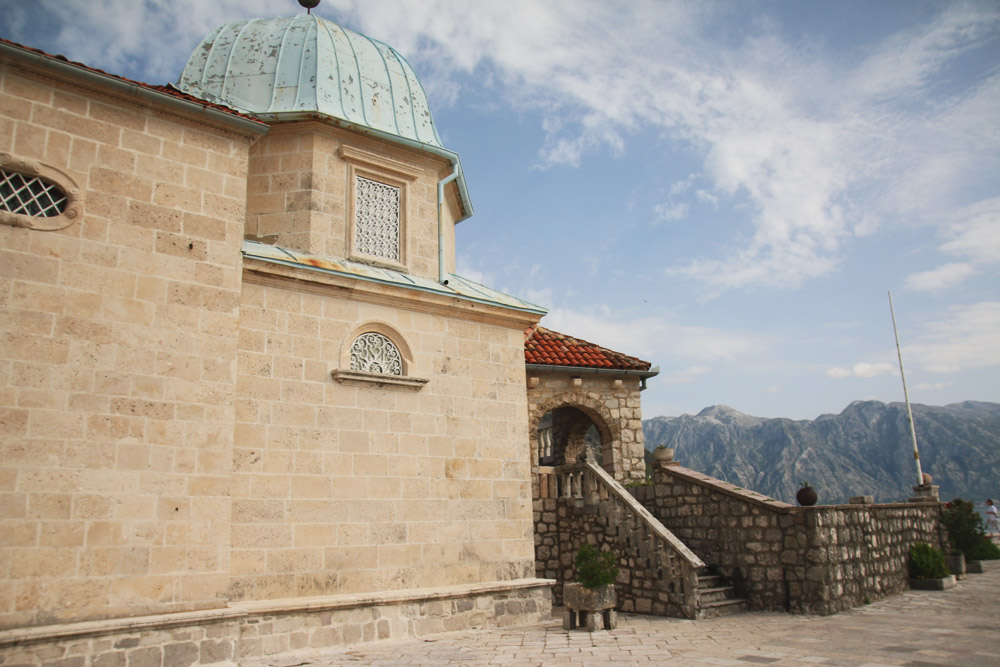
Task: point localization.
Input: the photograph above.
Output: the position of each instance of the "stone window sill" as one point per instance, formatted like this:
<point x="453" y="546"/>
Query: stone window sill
<point x="357" y="377"/>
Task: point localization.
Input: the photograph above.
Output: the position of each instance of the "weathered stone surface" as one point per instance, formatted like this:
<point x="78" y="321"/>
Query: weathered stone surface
<point x="819" y="560"/>
<point x="942" y="584"/>
<point x="579" y="597"/>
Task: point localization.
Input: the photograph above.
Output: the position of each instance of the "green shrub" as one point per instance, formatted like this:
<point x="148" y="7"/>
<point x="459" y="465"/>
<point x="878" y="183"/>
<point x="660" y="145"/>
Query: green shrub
<point x="966" y="531"/>
<point x="985" y="550"/>
<point x="595" y="568"/>
<point x="926" y="562"/>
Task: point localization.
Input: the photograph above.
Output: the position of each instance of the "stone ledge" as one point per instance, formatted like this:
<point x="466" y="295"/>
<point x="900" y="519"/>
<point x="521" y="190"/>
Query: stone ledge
<point x="378" y="379"/>
<point x="238" y="611"/>
<point x="326" y="603"/>
<point x="701" y="479"/>
<point x="776" y="505"/>
<point x="942" y="584"/>
<point x="48" y="633"/>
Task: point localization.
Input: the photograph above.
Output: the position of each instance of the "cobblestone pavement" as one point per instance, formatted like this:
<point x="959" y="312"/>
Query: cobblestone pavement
<point x="960" y="626"/>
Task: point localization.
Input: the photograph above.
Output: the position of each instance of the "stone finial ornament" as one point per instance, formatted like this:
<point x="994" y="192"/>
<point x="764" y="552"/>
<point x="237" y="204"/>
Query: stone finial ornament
<point x="309" y="5"/>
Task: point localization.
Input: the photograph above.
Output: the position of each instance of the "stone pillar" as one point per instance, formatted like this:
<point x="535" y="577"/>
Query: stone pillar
<point x="925" y="493"/>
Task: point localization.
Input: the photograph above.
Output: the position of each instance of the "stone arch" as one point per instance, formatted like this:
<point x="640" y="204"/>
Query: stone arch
<point x="384" y="329"/>
<point x="591" y="406"/>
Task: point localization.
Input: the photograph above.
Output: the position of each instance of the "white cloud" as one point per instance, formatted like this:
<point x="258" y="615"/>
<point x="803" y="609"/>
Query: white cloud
<point x="689" y="374"/>
<point x="933" y="386"/>
<point x="861" y="370"/>
<point x="671" y="211"/>
<point x="965" y="337"/>
<point x="466" y="270"/>
<point x="818" y="146"/>
<point x="658" y="340"/>
<point x="974" y="235"/>
<point x="706" y="197"/>
<point x="943" y="277"/>
<point x="118" y="35"/>
<point x="976" y="232"/>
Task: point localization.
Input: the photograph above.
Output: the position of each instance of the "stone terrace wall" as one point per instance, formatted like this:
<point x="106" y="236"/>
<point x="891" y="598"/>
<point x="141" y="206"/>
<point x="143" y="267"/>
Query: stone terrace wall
<point x="817" y="560"/>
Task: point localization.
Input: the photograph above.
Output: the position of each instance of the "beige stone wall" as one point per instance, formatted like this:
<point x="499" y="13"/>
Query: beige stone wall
<point x="301" y="184"/>
<point x="117" y="360"/>
<point x="611" y="403"/>
<point x="356" y="487"/>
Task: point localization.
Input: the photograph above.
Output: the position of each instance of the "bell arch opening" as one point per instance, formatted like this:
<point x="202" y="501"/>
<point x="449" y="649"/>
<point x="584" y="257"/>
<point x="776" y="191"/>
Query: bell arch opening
<point x="563" y="433"/>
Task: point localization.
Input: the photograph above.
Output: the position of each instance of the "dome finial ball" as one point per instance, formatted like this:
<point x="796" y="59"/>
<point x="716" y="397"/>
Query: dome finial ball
<point x="309" y="4"/>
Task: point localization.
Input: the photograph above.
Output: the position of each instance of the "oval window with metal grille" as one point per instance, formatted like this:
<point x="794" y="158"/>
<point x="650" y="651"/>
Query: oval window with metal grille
<point x="36" y="196"/>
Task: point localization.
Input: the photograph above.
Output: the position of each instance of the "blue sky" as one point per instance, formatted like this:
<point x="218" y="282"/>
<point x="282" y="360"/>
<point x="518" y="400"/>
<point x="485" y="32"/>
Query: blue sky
<point x="725" y="189"/>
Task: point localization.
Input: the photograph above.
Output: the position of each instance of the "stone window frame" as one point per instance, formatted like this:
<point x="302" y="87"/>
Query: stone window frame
<point x="386" y="171"/>
<point x="45" y="172"/>
<point x="345" y="375"/>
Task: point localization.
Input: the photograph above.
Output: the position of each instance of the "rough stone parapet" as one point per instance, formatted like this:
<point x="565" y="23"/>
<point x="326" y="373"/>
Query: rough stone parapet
<point x="821" y="559"/>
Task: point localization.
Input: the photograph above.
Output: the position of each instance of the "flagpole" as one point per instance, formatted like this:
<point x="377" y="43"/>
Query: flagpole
<point x="906" y="396"/>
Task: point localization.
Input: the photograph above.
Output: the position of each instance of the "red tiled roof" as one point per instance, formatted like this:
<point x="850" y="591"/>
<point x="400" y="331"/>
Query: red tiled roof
<point x="546" y="347"/>
<point x="166" y="90"/>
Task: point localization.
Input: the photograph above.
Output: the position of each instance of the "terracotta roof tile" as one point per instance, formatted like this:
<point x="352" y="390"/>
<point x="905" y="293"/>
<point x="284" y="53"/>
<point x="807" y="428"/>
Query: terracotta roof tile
<point x="550" y="348"/>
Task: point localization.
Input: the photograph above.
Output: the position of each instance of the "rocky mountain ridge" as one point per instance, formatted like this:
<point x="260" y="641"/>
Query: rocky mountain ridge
<point x="864" y="450"/>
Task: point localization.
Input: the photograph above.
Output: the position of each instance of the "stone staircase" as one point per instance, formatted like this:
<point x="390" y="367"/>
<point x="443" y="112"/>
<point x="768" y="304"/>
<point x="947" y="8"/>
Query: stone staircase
<point x="718" y="597"/>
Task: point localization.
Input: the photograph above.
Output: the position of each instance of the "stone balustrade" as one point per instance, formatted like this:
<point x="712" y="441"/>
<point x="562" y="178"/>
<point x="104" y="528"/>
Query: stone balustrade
<point x="580" y="504"/>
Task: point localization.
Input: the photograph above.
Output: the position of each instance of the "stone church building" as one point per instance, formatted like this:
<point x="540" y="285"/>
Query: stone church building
<point x="247" y="406"/>
<point x="240" y="376"/>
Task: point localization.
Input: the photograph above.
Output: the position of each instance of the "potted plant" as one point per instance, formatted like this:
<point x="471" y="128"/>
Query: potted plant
<point x="663" y="454"/>
<point x="955" y="560"/>
<point x="590" y="601"/>
<point x="807" y="495"/>
<point x="967" y="534"/>
<point x="928" y="570"/>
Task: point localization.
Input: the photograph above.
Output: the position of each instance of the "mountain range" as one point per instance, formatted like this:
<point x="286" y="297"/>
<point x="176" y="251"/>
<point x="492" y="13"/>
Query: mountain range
<point x="865" y="450"/>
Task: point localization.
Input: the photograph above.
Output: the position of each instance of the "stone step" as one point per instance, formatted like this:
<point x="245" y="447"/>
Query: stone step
<point x="717" y="593"/>
<point x="718" y="597"/>
<point x="723" y="608"/>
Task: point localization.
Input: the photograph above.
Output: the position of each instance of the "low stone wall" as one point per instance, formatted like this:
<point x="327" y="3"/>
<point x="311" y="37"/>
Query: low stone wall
<point x="255" y="629"/>
<point x="817" y="560"/>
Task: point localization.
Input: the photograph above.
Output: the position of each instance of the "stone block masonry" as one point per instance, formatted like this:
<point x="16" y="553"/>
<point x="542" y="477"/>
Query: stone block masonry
<point x="191" y="468"/>
<point x="118" y="348"/>
<point x="815" y="560"/>
<point x="259" y="629"/>
<point x="656" y="573"/>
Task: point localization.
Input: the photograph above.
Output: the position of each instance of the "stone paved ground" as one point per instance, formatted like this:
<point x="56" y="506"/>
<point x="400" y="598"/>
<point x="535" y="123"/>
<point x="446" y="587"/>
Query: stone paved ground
<point x="960" y="626"/>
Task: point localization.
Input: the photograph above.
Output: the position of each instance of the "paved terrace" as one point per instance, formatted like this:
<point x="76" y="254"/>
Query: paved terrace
<point x="960" y="626"/>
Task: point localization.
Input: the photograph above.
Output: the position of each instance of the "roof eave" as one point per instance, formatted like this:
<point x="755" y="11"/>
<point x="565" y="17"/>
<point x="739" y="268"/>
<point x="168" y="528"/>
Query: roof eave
<point x="586" y="370"/>
<point x="122" y="86"/>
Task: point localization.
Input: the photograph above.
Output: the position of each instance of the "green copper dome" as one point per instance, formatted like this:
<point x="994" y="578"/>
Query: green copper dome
<point x="286" y="68"/>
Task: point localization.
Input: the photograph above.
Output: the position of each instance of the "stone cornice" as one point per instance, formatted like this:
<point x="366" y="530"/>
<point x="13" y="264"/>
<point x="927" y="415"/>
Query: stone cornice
<point x="412" y="298"/>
